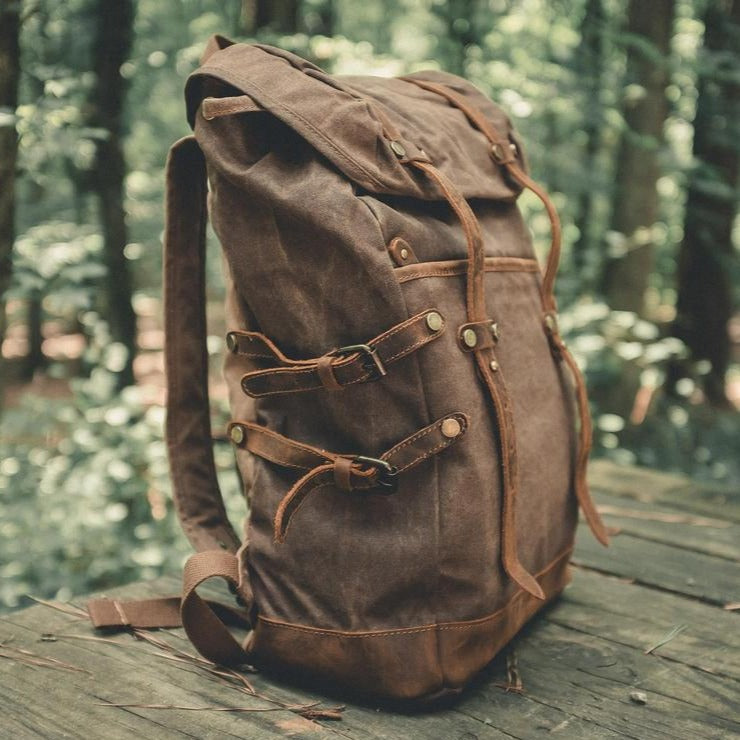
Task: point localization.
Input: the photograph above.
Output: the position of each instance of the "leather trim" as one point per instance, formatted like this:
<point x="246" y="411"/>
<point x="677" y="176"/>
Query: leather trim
<point x="418" y="662"/>
<point x="447" y="268"/>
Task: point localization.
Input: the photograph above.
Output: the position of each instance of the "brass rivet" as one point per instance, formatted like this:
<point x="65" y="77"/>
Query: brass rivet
<point x="404" y="254"/>
<point x="470" y="338"/>
<point x="435" y="321"/>
<point x="551" y="322"/>
<point x="231" y="343"/>
<point x="398" y="148"/>
<point x="495" y="330"/>
<point x="237" y="434"/>
<point x="451" y="428"/>
<point x="514" y="150"/>
<point x="493" y="365"/>
<point x="497" y="152"/>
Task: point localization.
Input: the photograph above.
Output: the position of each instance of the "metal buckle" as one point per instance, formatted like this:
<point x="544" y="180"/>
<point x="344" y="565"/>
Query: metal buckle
<point x="371" y="362"/>
<point x="387" y="473"/>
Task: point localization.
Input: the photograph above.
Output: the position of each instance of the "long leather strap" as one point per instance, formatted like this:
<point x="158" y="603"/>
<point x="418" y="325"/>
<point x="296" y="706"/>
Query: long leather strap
<point x="502" y="153"/>
<point x="188" y="429"/>
<point x="485" y="359"/>
<point x="338" y="368"/>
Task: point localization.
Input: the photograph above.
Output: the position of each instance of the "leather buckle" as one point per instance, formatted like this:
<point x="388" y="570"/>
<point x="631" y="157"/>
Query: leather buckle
<point x="387" y="473"/>
<point x="371" y="361"/>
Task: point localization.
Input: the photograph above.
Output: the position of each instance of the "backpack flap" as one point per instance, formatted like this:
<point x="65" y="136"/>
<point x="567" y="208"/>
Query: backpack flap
<point x="369" y="128"/>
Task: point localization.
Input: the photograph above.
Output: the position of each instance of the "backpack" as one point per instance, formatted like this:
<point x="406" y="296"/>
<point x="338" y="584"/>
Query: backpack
<point x="410" y="429"/>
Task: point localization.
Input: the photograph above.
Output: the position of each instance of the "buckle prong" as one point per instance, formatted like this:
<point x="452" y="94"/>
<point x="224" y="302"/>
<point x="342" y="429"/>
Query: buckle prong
<point x="387" y="472"/>
<point x="372" y="362"/>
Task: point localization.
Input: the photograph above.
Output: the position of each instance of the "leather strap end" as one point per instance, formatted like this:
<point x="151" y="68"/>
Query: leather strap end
<point x="103" y="613"/>
<point x="107" y="613"/>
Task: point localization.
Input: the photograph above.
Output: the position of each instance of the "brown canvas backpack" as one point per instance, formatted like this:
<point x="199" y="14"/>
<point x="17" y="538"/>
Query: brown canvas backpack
<point x="410" y="429"/>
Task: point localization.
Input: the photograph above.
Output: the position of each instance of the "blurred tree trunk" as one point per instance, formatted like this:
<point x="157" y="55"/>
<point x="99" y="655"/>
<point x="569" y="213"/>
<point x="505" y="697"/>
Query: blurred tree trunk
<point x="9" y="76"/>
<point x="279" y="15"/>
<point x="591" y="72"/>
<point x="113" y="39"/>
<point x="704" y="303"/>
<point x="649" y="29"/>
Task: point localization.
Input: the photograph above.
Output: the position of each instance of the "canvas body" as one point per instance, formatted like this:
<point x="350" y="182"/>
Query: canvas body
<point x="380" y="215"/>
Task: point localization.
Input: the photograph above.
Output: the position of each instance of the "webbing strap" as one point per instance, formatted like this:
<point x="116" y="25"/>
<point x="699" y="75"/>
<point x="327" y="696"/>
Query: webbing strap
<point x="205" y="622"/>
<point x="188" y="429"/>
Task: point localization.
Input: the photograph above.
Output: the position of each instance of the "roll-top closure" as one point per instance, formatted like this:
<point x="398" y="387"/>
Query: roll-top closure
<point x="369" y="128"/>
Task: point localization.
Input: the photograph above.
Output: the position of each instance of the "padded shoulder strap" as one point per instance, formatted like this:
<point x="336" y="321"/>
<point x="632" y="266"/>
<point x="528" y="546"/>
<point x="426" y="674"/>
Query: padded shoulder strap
<point x="195" y="486"/>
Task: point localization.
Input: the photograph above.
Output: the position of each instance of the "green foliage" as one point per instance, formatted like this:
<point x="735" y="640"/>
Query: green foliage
<point x="84" y="490"/>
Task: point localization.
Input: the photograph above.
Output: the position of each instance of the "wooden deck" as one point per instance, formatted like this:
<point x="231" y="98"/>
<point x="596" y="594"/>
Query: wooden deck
<point x="643" y="644"/>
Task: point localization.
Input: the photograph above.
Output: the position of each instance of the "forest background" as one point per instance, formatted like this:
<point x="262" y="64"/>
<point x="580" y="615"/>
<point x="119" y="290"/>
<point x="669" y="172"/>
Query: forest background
<point x="630" y="111"/>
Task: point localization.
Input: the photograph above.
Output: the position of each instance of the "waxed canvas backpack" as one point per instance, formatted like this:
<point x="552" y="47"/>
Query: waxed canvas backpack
<point x="410" y="429"/>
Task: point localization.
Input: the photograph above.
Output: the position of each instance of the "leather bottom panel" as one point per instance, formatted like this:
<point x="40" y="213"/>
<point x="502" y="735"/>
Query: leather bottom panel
<point x="410" y="663"/>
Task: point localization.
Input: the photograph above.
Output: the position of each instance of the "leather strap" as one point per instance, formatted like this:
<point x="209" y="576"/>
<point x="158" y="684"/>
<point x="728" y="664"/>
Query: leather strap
<point x="504" y="155"/>
<point x="206" y="630"/>
<point x="205" y="622"/>
<point x="485" y="359"/>
<point x="346" y="472"/>
<point x="188" y="427"/>
<point x="160" y="613"/>
<point x="336" y="369"/>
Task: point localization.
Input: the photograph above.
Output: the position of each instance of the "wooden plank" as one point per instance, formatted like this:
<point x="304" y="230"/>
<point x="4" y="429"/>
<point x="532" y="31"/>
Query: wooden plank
<point x="593" y="679"/>
<point x="634" y="616"/>
<point x="133" y="674"/>
<point x="668" y="567"/>
<point x="669" y="491"/>
<point x="687" y="530"/>
<point x="142" y="677"/>
<point x="579" y="661"/>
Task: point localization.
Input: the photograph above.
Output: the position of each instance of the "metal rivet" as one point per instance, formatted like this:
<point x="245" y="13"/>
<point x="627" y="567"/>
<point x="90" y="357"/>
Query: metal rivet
<point x="494" y="330"/>
<point x="497" y="152"/>
<point x="451" y="428"/>
<point x="551" y="322"/>
<point x="237" y="434"/>
<point x="231" y="344"/>
<point x="404" y="254"/>
<point x="493" y="365"/>
<point x="435" y="321"/>
<point x="470" y="338"/>
<point x="398" y="148"/>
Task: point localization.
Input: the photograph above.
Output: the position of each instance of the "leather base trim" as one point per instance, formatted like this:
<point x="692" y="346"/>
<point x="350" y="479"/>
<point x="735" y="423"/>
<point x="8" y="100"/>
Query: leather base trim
<point x="417" y="663"/>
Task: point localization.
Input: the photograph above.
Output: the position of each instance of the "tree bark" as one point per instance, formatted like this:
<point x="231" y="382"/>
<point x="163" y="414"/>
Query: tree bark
<point x="591" y="69"/>
<point x="114" y="36"/>
<point x="627" y="275"/>
<point x="9" y="77"/>
<point x="279" y="15"/>
<point x="704" y="303"/>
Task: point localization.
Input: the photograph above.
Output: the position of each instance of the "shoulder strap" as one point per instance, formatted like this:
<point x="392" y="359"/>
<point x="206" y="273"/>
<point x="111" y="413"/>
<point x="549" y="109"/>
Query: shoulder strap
<point x="188" y="429"/>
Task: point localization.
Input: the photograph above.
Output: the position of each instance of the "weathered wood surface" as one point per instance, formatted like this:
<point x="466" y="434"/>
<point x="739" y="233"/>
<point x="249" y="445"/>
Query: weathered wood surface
<point x="673" y="566"/>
